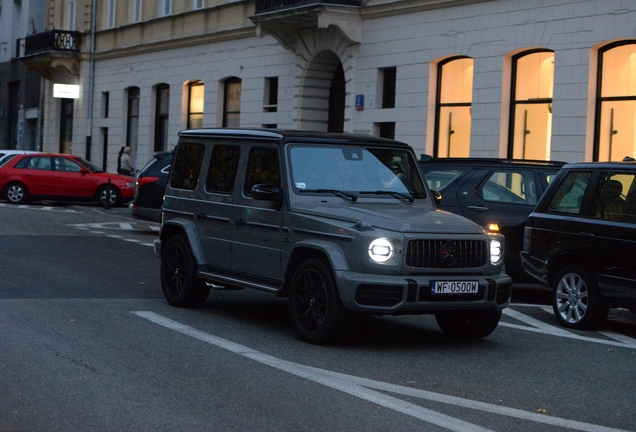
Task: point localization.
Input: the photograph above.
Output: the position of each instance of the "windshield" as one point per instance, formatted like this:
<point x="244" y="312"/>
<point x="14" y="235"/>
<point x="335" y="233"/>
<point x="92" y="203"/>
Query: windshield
<point x="384" y="172"/>
<point x="91" y="166"/>
<point x="6" y="158"/>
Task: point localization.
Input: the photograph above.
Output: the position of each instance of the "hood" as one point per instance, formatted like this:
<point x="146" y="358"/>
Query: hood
<point x="418" y="217"/>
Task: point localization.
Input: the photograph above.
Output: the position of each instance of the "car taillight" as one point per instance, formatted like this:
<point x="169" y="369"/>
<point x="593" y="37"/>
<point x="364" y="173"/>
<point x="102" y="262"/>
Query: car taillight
<point x="145" y="180"/>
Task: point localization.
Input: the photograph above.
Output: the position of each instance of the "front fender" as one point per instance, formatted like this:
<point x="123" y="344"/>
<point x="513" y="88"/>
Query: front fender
<point x="187" y="229"/>
<point x="335" y="255"/>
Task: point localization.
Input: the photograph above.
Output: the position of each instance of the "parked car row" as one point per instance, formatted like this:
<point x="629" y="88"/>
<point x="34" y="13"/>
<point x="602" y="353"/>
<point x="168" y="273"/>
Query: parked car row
<point x="569" y="226"/>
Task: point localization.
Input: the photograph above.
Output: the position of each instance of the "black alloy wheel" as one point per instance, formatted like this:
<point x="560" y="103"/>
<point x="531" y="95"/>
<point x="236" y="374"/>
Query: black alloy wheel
<point x="468" y="324"/>
<point x="179" y="282"/>
<point x="314" y="304"/>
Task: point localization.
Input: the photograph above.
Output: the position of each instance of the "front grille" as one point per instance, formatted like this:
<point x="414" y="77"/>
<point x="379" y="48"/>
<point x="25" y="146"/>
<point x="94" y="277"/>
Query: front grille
<point x="446" y="253"/>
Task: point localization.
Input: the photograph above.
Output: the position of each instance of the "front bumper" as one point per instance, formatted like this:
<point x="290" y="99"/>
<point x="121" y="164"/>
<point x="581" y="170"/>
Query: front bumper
<point x="398" y="295"/>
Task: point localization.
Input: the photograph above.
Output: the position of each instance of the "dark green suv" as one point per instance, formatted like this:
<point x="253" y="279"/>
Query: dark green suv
<point x="338" y="223"/>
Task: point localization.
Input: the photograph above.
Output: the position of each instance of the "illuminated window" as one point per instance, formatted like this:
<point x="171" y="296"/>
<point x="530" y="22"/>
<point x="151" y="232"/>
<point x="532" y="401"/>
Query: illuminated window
<point x="195" y="104"/>
<point x="232" y="103"/>
<point x="531" y="105"/>
<point x="454" y="100"/>
<point x="615" y="135"/>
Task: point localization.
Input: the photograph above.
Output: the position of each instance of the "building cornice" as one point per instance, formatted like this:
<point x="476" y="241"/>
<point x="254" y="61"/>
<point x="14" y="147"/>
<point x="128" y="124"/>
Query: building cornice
<point x="378" y="9"/>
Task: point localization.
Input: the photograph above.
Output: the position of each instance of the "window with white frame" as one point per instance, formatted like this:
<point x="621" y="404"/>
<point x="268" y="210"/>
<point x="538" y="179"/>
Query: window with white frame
<point x="198" y="4"/>
<point x="110" y="14"/>
<point x="137" y="9"/>
<point x="165" y="8"/>
<point x="70" y="15"/>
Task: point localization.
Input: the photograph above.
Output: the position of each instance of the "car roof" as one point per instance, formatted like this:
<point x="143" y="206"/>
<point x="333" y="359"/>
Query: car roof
<point x="283" y="136"/>
<point x="489" y="162"/>
<point x="631" y="165"/>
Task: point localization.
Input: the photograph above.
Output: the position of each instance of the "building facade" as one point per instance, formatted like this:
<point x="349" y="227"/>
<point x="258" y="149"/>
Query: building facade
<point x="20" y="120"/>
<point x="528" y="79"/>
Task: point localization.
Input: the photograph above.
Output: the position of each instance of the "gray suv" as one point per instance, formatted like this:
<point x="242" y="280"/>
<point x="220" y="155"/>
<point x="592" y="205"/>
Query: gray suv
<point x="338" y="223"/>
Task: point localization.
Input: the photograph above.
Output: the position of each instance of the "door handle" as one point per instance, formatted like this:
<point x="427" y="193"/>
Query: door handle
<point x="240" y="222"/>
<point x="478" y="209"/>
<point x="201" y="215"/>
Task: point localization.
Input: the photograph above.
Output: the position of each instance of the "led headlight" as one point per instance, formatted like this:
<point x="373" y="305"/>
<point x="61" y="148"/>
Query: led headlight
<point x="381" y="250"/>
<point x="495" y="251"/>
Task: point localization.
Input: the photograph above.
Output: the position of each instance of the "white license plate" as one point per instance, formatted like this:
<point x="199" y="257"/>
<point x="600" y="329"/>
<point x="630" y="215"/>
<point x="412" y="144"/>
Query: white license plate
<point x="455" y="287"/>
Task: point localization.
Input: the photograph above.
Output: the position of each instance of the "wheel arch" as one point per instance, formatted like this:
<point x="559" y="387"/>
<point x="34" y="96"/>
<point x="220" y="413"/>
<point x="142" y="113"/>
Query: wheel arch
<point x="188" y="230"/>
<point x="302" y="251"/>
<point x="564" y="259"/>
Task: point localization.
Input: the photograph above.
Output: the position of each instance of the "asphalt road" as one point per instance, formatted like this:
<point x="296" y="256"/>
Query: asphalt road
<point x="89" y="343"/>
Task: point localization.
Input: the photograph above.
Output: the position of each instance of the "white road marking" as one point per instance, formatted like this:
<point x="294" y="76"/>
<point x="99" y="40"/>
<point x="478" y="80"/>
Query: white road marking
<point x="38" y="208"/>
<point x="362" y="387"/>
<point x="541" y="327"/>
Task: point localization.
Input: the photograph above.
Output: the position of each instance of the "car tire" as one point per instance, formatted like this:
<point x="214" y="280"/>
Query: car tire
<point x="468" y="324"/>
<point x="179" y="282"/>
<point x="576" y="299"/>
<point x="108" y="196"/>
<point x="315" y="307"/>
<point x="16" y="193"/>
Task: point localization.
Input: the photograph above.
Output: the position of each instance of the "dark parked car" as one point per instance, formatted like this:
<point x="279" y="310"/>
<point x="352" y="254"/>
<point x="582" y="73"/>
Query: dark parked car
<point x="487" y="191"/>
<point x="339" y="223"/>
<point x="581" y="240"/>
<point x="150" y="185"/>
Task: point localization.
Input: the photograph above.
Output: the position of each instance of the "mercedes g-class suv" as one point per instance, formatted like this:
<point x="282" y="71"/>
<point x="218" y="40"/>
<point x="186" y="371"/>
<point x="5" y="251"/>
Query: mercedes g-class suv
<point x="338" y="223"/>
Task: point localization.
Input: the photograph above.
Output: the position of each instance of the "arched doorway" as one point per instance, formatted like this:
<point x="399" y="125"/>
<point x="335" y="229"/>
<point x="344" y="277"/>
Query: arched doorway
<point x="323" y="94"/>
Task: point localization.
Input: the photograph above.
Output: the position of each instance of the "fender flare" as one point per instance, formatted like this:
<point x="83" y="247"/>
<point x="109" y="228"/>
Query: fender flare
<point x="189" y="230"/>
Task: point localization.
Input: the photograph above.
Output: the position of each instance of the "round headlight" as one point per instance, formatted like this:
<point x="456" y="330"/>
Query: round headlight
<point x="495" y="251"/>
<point x="381" y="250"/>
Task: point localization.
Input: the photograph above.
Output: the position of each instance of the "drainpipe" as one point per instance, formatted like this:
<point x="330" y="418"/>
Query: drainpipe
<point x="91" y="80"/>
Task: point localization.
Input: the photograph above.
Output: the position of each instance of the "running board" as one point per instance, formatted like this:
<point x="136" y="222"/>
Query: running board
<point x="233" y="281"/>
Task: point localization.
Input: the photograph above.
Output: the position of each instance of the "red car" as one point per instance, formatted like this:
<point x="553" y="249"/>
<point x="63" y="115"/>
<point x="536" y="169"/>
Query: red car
<point x="62" y="177"/>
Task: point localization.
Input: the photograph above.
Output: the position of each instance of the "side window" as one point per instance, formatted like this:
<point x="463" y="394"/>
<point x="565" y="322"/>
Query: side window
<point x="186" y="166"/>
<point x="440" y="179"/>
<point x="223" y="167"/>
<point x="615" y="198"/>
<point x="513" y="187"/>
<point x="23" y="163"/>
<point x="39" y="163"/>
<point x="263" y="167"/>
<point x="569" y="195"/>
<point x="62" y="164"/>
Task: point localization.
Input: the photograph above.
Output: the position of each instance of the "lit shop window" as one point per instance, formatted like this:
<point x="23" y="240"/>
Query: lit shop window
<point x="454" y="100"/>
<point x="196" y="91"/>
<point x="531" y="105"/>
<point x="615" y="136"/>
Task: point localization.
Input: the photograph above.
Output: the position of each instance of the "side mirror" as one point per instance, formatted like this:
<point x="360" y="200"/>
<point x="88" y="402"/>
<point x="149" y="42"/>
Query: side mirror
<point x="437" y="197"/>
<point x="83" y="171"/>
<point x="266" y="192"/>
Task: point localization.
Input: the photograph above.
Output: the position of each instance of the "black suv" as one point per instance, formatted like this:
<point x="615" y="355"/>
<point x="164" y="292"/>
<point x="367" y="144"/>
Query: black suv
<point x="339" y="223"/>
<point x="581" y="240"/>
<point x="150" y="185"/>
<point x="487" y="191"/>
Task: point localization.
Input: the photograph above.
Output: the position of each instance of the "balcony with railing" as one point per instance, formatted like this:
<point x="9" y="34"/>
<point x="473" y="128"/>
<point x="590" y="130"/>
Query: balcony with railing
<point x="265" y="6"/>
<point x="47" y="50"/>
<point x="284" y="18"/>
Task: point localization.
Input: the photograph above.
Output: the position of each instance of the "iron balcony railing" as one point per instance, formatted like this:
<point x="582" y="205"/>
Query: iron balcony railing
<point x="53" y="40"/>
<point x="264" y="6"/>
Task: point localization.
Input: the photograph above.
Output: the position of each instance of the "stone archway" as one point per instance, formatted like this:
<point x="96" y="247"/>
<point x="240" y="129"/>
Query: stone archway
<point x="325" y="78"/>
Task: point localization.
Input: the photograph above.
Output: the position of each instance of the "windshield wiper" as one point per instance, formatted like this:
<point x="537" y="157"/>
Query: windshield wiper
<point x="336" y="192"/>
<point x="405" y="197"/>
